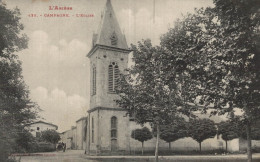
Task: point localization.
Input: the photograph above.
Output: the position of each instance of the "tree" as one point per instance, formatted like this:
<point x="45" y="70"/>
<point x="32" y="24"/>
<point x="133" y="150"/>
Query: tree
<point x="51" y="136"/>
<point x="219" y="47"/>
<point x="229" y="130"/>
<point x="174" y="131"/>
<point x="14" y="101"/>
<point x="240" y="21"/>
<point x="255" y="131"/>
<point x="201" y="129"/>
<point x="142" y="135"/>
<point x="15" y="105"/>
<point x="24" y="139"/>
<point x="144" y="92"/>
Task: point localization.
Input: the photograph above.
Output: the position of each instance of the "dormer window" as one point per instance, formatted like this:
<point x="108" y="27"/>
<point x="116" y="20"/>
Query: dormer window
<point x="113" y="39"/>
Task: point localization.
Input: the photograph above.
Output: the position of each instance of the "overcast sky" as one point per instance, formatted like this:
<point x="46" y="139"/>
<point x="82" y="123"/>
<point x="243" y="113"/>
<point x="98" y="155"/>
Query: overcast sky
<point x="55" y="66"/>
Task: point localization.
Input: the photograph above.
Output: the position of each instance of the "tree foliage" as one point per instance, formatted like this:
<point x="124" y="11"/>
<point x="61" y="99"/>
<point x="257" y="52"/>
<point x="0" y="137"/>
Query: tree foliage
<point x="24" y="140"/>
<point x="174" y="131"/>
<point x="15" y="105"/>
<point x="219" y="47"/>
<point x="143" y="91"/>
<point x="201" y="129"/>
<point x="142" y="135"/>
<point x="255" y="131"/>
<point x="209" y="58"/>
<point x="16" y="108"/>
<point x="51" y="136"/>
<point x="228" y="129"/>
<point x="147" y="92"/>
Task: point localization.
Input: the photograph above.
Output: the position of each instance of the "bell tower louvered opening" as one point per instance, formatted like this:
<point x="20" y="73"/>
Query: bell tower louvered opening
<point x="113" y="76"/>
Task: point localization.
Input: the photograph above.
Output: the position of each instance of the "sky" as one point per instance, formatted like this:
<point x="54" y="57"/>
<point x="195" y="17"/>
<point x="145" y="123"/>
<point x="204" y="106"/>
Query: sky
<point x="55" y="66"/>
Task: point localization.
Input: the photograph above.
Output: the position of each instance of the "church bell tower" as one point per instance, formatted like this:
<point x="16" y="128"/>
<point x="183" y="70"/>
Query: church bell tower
<point x="108" y="58"/>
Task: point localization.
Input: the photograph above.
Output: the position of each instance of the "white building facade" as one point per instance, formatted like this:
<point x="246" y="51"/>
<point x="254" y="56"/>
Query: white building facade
<point x="37" y="127"/>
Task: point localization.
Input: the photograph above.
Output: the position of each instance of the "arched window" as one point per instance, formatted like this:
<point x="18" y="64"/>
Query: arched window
<point x="94" y="77"/>
<point x="113" y="75"/>
<point x="92" y="131"/>
<point x="113" y="127"/>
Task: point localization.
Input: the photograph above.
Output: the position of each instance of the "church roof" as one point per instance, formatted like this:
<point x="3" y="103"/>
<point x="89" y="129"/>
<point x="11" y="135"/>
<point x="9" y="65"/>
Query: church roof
<point x="109" y="30"/>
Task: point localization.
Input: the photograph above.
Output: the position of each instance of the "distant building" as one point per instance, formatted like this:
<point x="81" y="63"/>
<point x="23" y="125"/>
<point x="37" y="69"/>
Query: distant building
<point x="74" y="137"/>
<point x="63" y="136"/>
<point x="81" y="133"/>
<point x="68" y="137"/>
<point x="37" y="127"/>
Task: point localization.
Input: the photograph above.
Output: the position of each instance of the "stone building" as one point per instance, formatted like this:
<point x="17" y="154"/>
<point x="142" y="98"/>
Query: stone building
<point x="81" y="133"/>
<point x="74" y="137"/>
<point x="108" y="128"/>
<point x="37" y="127"/>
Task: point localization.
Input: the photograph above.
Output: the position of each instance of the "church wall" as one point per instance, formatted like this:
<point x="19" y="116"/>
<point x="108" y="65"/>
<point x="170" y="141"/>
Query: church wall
<point x="122" y="130"/>
<point x="93" y="62"/>
<point x="93" y="144"/>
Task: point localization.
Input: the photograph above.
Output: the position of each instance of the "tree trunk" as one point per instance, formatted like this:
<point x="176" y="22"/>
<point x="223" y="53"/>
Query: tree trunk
<point x="226" y="146"/>
<point x="157" y="143"/>
<point x="249" y="145"/>
<point x="142" y="148"/>
<point x="170" y="146"/>
<point x="200" y="146"/>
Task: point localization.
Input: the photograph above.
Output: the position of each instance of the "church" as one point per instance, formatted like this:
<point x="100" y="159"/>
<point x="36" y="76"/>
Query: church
<point x="106" y="130"/>
<point x="108" y="127"/>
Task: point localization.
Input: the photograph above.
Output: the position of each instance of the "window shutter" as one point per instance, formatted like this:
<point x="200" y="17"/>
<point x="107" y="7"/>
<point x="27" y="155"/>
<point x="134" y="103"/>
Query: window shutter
<point x="116" y="77"/>
<point x="110" y="78"/>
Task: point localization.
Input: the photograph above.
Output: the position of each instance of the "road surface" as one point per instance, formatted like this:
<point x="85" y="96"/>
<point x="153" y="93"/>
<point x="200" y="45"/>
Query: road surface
<point x="78" y="156"/>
